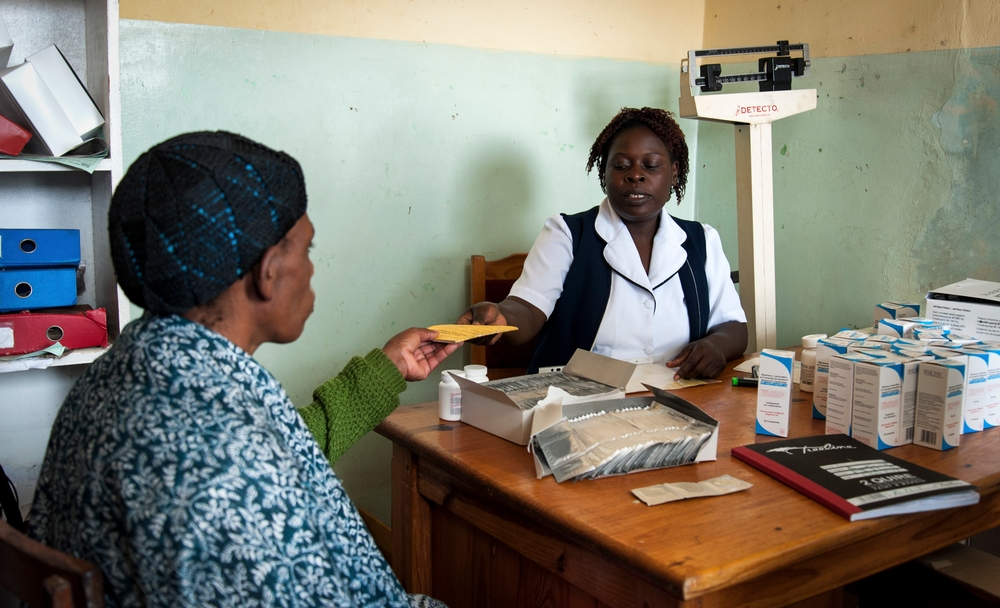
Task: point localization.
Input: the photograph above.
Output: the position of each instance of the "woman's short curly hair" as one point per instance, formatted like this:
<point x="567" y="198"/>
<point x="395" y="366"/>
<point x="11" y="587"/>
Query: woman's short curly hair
<point x="660" y="122"/>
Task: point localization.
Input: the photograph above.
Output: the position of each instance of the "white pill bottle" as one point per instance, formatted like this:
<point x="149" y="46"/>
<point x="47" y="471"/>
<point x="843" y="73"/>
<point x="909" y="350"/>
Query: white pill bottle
<point x="807" y="374"/>
<point x="476" y="373"/>
<point x="450" y="395"/>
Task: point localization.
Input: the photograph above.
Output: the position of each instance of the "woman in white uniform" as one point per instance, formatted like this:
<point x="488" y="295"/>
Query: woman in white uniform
<point x="624" y="279"/>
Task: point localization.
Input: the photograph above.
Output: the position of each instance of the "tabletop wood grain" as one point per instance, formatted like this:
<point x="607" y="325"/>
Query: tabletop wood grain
<point x="703" y="546"/>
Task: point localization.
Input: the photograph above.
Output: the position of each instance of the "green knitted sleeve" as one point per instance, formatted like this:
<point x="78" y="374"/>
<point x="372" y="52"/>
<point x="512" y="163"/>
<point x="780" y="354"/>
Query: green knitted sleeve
<point x="351" y="404"/>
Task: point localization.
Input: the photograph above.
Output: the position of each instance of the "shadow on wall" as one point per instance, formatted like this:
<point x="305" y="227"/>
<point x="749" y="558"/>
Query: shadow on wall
<point x="960" y="241"/>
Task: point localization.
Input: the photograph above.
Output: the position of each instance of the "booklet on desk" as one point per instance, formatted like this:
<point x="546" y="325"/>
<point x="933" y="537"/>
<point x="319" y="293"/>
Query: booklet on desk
<point x="854" y="480"/>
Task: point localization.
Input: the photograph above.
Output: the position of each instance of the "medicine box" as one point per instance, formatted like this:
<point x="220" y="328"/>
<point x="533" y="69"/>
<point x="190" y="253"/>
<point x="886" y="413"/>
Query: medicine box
<point x="825" y="348"/>
<point x="940" y="396"/>
<point x="970" y="307"/>
<point x="977" y="388"/>
<point x="991" y="411"/>
<point x="911" y="375"/>
<point x="877" y="414"/>
<point x="840" y="397"/>
<point x="774" y="392"/>
<point x="895" y="310"/>
<point x="490" y="406"/>
<point x="899" y="328"/>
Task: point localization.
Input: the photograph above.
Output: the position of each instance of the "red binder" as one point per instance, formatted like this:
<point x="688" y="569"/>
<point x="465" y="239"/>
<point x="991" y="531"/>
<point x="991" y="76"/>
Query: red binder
<point x="27" y="332"/>
<point x="12" y="137"/>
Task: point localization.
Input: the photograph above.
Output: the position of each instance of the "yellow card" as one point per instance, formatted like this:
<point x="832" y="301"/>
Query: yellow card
<point x="461" y="333"/>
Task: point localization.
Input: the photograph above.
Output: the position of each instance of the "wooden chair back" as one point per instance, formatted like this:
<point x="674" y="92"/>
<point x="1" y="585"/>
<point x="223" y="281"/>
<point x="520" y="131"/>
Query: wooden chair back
<point x="42" y="577"/>
<point x="491" y="282"/>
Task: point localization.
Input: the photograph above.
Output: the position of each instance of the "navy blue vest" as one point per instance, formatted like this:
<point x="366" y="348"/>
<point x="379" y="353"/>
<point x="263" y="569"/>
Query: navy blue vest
<point x="577" y="315"/>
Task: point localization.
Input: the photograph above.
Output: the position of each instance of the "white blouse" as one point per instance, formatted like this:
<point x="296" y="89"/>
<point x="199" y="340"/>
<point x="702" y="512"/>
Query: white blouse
<point x="640" y="324"/>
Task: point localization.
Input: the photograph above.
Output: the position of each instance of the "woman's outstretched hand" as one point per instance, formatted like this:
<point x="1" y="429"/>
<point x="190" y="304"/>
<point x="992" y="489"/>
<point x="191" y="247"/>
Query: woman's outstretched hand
<point x="415" y="355"/>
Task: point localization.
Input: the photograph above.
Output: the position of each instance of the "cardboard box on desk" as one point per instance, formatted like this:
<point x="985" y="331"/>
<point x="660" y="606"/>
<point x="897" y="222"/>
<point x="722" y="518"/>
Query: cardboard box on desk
<point x="493" y="411"/>
<point x="549" y="414"/>
<point x="970" y="307"/>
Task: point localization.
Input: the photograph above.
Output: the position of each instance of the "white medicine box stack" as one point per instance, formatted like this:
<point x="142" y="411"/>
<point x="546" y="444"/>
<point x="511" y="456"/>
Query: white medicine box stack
<point x="976" y="386"/>
<point x="825" y="348"/>
<point x="877" y="418"/>
<point x="895" y="310"/>
<point x="940" y="398"/>
<point x="774" y="392"/>
<point x="991" y="409"/>
<point x="840" y="392"/>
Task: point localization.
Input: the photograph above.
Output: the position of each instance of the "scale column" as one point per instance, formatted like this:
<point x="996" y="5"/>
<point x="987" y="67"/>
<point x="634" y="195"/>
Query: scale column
<point x="755" y="219"/>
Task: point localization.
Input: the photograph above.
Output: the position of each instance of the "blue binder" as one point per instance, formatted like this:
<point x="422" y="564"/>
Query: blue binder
<point x="39" y="248"/>
<point x="30" y="289"/>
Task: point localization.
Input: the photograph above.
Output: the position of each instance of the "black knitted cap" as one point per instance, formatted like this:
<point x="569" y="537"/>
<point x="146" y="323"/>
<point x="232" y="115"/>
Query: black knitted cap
<point x="195" y="213"/>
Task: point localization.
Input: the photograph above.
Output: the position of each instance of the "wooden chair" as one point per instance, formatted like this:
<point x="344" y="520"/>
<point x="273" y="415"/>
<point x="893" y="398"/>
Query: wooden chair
<point x="42" y="577"/>
<point x="491" y="282"/>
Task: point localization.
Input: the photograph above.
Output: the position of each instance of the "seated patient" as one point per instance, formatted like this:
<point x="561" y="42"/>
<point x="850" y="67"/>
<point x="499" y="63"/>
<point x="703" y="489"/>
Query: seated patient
<point x="177" y="463"/>
<point x="625" y="279"/>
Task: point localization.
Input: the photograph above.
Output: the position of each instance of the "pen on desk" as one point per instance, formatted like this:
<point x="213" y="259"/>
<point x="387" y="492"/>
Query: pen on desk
<point x="748" y="382"/>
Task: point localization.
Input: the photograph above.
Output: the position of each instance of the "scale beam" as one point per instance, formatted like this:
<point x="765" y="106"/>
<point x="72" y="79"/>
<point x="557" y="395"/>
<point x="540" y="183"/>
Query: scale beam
<point x="752" y="114"/>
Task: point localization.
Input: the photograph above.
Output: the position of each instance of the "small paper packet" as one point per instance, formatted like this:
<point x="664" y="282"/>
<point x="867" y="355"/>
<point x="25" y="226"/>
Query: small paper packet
<point x="461" y="333"/>
<point x="669" y="492"/>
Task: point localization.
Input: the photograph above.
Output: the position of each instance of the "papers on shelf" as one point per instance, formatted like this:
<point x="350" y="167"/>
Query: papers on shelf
<point x="40" y="359"/>
<point x="84" y="161"/>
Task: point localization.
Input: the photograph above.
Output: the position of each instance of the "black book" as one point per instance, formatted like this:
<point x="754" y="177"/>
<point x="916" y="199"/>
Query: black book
<point x="854" y="480"/>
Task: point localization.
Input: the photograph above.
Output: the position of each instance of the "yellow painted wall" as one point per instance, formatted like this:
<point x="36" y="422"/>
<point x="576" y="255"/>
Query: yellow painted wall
<point x="845" y="28"/>
<point x="659" y="31"/>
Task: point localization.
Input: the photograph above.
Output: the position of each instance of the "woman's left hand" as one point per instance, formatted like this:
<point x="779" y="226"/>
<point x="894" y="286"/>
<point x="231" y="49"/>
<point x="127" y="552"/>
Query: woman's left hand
<point x="699" y="359"/>
<point x="706" y="358"/>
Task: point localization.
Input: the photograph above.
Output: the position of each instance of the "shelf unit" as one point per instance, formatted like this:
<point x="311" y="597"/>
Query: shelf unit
<point x="47" y="195"/>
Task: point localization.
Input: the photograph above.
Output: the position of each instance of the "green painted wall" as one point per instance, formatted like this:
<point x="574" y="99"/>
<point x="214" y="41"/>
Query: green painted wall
<point x="416" y="156"/>
<point x="887" y="189"/>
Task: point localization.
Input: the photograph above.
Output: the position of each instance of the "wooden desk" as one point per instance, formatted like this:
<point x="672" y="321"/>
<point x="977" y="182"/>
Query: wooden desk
<point x="472" y="526"/>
